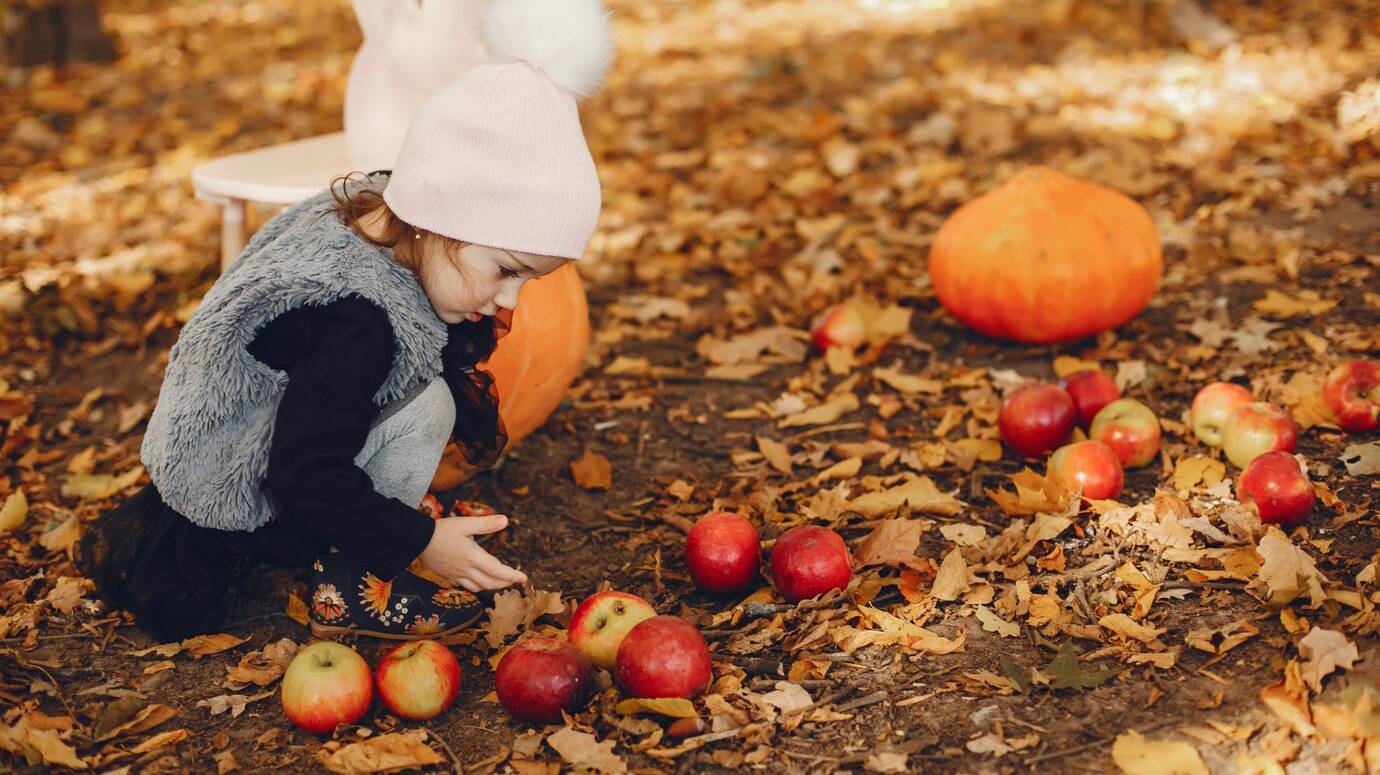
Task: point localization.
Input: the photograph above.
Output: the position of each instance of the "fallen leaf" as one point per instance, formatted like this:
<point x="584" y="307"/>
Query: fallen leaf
<point x="963" y="534"/>
<point x="235" y="703"/>
<point x="991" y="622"/>
<point x="920" y="494"/>
<point x="823" y="414"/>
<point x="989" y="743"/>
<point x="1359" y="459"/>
<point x="592" y="471"/>
<point x="13" y="512"/>
<point x="1136" y="755"/>
<point x="1287" y="571"/>
<point x="1324" y="651"/>
<point x="225" y="762"/>
<point x="297" y="609"/>
<point x="886" y="761"/>
<point x="581" y="749"/>
<point x="1125" y="626"/>
<point x="1282" y="305"/>
<point x="265" y="666"/>
<point x="68" y="592"/>
<point x="775" y="453"/>
<point x="384" y="753"/>
<point x="675" y="707"/>
<point x="907" y="384"/>
<point x="1068" y="674"/>
<point x="891" y="542"/>
<point x="40" y="745"/>
<point x="98" y="487"/>
<point x="60" y="538"/>
<point x="203" y="645"/>
<point x="161" y="740"/>
<point x="787" y="697"/>
<point x="146" y="719"/>
<point x="952" y="580"/>
<point x="1191" y="471"/>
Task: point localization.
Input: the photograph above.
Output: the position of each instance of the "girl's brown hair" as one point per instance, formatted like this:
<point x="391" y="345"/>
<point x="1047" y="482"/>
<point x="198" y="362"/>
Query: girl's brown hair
<point x="355" y="199"/>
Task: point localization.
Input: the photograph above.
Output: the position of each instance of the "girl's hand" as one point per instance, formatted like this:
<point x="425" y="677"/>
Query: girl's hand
<point x="454" y="555"/>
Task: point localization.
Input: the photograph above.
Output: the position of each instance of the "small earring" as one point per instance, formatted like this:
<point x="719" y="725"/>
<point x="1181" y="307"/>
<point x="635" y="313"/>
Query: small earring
<point x="418" y="235"/>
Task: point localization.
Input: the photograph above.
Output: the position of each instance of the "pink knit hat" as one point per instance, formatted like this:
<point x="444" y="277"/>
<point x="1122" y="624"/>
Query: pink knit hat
<point x="498" y="158"/>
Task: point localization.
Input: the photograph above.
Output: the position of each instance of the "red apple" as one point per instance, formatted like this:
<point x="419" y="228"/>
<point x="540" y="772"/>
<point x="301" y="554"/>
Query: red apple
<point x="539" y="678"/>
<point x="1211" y="408"/>
<point x="1352" y="392"/>
<point x="1089" y="467"/>
<point x="418" y="679"/>
<point x="1130" y="428"/>
<point x="602" y="621"/>
<point x="838" y="326"/>
<point x="664" y="656"/>
<point x="1275" y="486"/>
<point x="723" y="553"/>
<point x="1254" y="429"/>
<point x="326" y="684"/>
<point x="1035" y="419"/>
<point x="809" y="560"/>
<point x="1090" y="390"/>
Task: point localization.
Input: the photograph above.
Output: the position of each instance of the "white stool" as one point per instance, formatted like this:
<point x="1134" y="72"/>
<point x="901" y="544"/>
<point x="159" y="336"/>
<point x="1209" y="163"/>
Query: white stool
<point x="279" y="175"/>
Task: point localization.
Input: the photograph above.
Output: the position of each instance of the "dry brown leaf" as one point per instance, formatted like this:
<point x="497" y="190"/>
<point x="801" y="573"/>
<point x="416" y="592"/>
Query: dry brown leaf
<point x="384" y="753"/>
<point x="775" y="453"/>
<point x="991" y="622"/>
<point x="98" y="487"/>
<point x="265" y="666"/>
<point x="60" y="538"/>
<point x="1125" y="626"/>
<point x="161" y="740"/>
<point x="891" y="542"/>
<point x="14" y="511"/>
<point x="42" y="745"/>
<point x="1195" y="470"/>
<point x="68" y="592"/>
<point x="787" y="343"/>
<point x="1034" y="494"/>
<point x="1287" y="571"/>
<point x="1136" y="755"/>
<point x="225" y="762"/>
<point x="1282" y="305"/>
<point x="1359" y="459"/>
<point x="143" y="721"/>
<point x="297" y="609"/>
<point x="823" y="414"/>
<point x="203" y="645"/>
<point x="581" y="749"/>
<point x="920" y="494"/>
<point x="1324" y="651"/>
<point x="908" y="384"/>
<point x="592" y="471"/>
<point x="235" y="703"/>
<point x="675" y="707"/>
<point x="952" y="580"/>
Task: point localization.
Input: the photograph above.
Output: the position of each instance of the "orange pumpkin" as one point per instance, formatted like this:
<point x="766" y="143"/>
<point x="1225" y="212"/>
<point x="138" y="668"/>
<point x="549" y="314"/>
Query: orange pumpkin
<point x="1046" y="258"/>
<point x="535" y="363"/>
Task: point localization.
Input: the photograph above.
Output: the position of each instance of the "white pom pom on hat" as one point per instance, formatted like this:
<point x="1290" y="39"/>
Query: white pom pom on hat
<point x="498" y="158"/>
<point x="568" y="39"/>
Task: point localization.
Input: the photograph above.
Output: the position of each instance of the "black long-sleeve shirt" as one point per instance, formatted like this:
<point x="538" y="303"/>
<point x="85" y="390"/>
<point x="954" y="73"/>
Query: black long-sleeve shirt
<point x="336" y="357"/>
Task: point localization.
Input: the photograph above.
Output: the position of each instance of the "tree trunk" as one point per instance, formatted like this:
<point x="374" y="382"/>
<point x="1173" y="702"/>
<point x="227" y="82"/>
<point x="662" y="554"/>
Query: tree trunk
<point x="56" y="32"/>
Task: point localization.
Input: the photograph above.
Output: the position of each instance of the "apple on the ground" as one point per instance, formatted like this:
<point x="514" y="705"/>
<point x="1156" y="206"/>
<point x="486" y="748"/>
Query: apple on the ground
<point x="841" y="325"/>
<point x="1090" y="390"/>
<point x="723" y="553"/>
<point x="326" y="684"/>
<point x="1275" y="485"/>
<point x="1352" y="392"/>
<point x="538" y="678"/>
<point x="601" y="622"/>
<point x="1036" y="419"/>
<point x="664" y="656"/>
<point x="1089" y="467"/>
<point x="809" y="560"/>
<point x="1130" y="428"/>
<point x="1211" y="408"/>
<point x="1256" y="428"/>
<point x="418" y="679"/>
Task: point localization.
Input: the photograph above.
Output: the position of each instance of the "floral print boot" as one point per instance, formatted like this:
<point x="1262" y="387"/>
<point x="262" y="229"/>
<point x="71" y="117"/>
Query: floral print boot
<point x="346" y="599"/>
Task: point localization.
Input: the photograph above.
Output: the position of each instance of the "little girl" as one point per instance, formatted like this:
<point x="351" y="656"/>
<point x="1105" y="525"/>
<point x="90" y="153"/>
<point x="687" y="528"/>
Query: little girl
<point x="308" y="399"/>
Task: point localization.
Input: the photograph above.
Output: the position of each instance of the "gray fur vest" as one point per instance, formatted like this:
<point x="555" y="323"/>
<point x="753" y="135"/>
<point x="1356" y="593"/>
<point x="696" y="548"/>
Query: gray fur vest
<point x="207" y="444"/>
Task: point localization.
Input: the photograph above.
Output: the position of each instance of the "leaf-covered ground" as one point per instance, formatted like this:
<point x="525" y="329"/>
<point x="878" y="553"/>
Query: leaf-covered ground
<point x="760" y="161"/>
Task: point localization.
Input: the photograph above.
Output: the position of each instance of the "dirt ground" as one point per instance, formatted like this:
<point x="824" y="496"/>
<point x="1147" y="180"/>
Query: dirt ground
<point x="1235" y="231"/>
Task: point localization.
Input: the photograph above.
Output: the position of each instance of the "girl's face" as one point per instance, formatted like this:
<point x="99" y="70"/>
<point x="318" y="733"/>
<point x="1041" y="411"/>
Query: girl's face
<point x="481" y="282"/>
